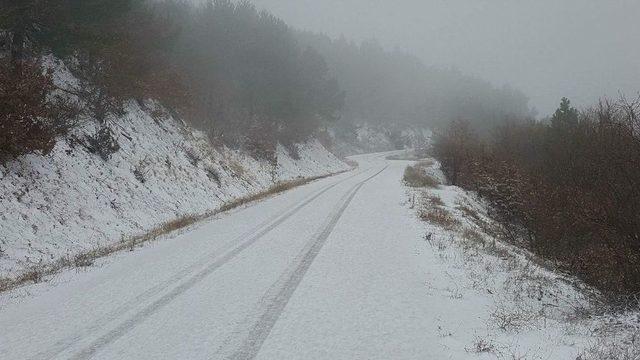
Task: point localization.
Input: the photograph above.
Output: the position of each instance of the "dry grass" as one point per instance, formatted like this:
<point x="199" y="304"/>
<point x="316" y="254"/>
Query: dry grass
<point x="417" y="177"/>
<point x="433" y="200"/>
<point x="37" y="273"/>
<point x="237" y="168"/>
<point x="513" y="319"/>
<point x="32" y="275"/>
<point x="607" y="349"/>
<point x="472" y="235"/>
<point x="274" y="190"/>
<point x="171" y="226"/>
<point x="441" y="217"/>
<point x="85" y="259"/>
<point x="481" y="346"/>
<point x="469" y="212"/>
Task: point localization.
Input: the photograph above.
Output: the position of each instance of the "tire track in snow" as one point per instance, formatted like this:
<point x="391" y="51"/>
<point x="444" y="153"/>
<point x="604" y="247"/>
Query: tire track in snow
<point x="245" y="344"/>
<point x="251" y="236"/>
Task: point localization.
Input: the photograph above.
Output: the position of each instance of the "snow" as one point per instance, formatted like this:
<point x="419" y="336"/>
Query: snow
<point x="340" y="268"/>
<point x="88" y="304"/>
<point x="72" y="201"/>
<point x="376" y="138"/>
<point x="495" y="300"/>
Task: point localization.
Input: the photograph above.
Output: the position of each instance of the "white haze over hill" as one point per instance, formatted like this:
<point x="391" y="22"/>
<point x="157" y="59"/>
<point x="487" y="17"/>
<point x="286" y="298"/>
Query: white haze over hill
<point x="582" y="49"/>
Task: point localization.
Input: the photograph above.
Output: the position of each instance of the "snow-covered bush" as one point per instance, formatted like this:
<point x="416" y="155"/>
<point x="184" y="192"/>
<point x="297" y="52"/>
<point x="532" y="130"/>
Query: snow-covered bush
<point x="567" y="189"/>
<point x="31" y="117"/>
<point x="416" y="176"/>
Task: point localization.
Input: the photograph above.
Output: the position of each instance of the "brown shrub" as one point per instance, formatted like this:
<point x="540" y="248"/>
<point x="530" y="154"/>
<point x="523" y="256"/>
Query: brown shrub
<point x="441" y="217"/>
<point x="33" y="275"/>
<point x="434" y="200"/>
<point x="415" y="176"/>
<point x="31" y="117"/>
<point x="472" y="235"/>
<point x="568" y="189"/>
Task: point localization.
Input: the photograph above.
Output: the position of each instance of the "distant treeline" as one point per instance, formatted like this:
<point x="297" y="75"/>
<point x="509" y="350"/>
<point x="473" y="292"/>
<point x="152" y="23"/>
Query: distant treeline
<point x="567" y="188"/>
<point x="392" y="87"/>
<point x="239" y="74"/>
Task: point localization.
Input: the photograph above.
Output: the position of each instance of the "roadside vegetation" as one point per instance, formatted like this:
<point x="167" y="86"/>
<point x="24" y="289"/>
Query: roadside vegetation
<point x="527" y="296"/>
<point x="565" y="188"/>
<point x="418" y="154"/>
<point x="417" y="176"/>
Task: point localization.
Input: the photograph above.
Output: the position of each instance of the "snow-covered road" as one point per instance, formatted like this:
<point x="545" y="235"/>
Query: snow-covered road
<point x="326" y="270"/>
<point x="341" y="268"/>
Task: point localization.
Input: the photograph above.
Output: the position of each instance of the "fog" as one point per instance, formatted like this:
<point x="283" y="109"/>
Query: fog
<point x="582" y="49"/>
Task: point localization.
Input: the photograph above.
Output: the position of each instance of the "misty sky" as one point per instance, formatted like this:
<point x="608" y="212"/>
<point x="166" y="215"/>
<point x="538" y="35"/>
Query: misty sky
<point x="581" y="49"/>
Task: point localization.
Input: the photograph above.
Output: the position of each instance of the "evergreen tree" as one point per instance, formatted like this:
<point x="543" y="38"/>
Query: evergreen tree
<point x="62" y="27"/>
<point x="22" y="20"/>
<point x="565" y="116"/>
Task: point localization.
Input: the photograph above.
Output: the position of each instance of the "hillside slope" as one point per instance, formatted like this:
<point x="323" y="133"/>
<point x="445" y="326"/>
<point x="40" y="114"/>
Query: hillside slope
<point x="72" y="201"/>
<point x="364" y="138"/>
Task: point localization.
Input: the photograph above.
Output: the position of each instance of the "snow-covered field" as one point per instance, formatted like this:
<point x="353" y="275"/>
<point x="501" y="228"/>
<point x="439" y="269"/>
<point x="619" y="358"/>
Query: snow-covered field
<point x="72" y="201"/>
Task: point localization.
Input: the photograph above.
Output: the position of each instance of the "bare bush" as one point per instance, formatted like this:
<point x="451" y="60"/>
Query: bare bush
<point x="193" y="156"/>
<point x="441" y="217"/>
<point x="433" y="200"/>
<point x="473" y="236"/>
<point x="84" y="259"/>
<point x="567" y="190"/>
<point x="141" y="170"/>
<point x="606" y="349"/>
<point x="415" y="176"/>
<point x="456" y="147"/>
<point x="512" y="319"/>
<point x="481" y="345"/>
<point x="31" y="116"/>
<point x="103" y="143"/>
<point x="213" y="175"/>
<point x="33" y="275"/>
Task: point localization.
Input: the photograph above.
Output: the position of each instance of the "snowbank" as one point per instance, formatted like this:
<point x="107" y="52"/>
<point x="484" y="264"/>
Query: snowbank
<point x="72" y="201"/>
<point x="365" y="138"/>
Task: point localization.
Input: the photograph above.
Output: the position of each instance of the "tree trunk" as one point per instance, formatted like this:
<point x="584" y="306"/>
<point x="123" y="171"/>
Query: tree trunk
<point x="17" y="47"/>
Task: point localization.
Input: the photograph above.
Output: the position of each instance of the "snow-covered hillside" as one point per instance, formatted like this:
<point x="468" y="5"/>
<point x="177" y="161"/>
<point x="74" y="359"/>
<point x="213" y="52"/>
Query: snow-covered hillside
<point x="495" y="300"/>
<point x="72" y="201"/>
<point x="365" y="138"/>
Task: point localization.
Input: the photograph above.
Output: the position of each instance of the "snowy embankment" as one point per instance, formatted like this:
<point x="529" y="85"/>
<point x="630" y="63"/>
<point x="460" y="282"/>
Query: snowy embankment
<point x="72" y="201"/>
<point x="366" y="139"/>
<point x="500" y="301"/>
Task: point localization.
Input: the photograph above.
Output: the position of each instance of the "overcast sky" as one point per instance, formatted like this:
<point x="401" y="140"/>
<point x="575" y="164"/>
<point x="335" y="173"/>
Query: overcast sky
<point x="581" y="49"/>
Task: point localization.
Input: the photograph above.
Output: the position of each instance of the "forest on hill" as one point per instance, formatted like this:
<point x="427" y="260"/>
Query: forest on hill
<point x="565" y="188"/>
<point x="239" y="74"/>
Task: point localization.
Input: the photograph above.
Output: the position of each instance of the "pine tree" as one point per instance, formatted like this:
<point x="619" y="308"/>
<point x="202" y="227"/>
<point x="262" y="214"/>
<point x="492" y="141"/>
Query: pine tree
<point x="565" y="116"/>
<point x="60" y="27"/>
<point x="21" y="20"/>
